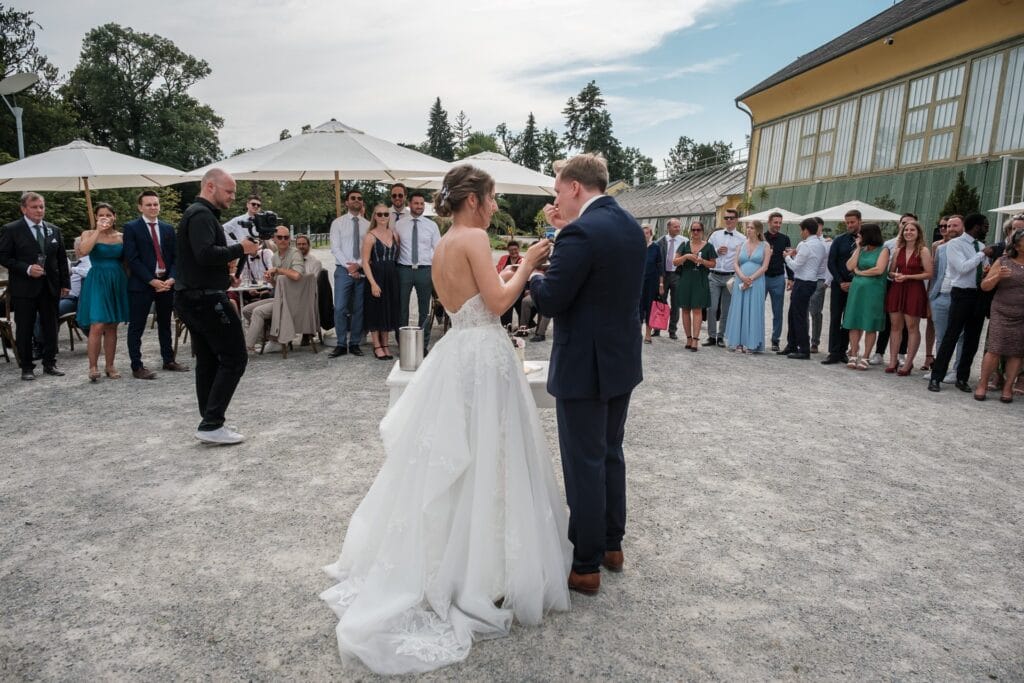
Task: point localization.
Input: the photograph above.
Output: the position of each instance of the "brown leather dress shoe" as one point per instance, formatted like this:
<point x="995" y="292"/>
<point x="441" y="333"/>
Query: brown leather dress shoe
<point x="143" y="373"/>
<point x="612" y="560"/>
<point x="174" y="366"/>
<point x="588" y="584"/>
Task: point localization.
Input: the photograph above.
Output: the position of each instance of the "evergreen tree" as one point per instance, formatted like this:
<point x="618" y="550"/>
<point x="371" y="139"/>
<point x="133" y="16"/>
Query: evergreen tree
<point x="687" y="154"/>
<point x="529" y="153"/>
<point x="478" y="142"/>
<point x="551" y="150"/>
<point x="963" y="199"/>
<point x="440" y="140"/>
<point x="639" y="167"/>
<point x="461" y="131"/>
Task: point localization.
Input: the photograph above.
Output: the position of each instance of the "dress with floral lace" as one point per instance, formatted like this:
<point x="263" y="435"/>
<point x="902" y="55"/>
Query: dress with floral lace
<point x="464" y="528"/>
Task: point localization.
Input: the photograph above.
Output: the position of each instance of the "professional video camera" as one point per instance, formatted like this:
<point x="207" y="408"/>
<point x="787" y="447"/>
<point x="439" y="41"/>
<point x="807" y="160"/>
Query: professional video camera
<point x="261" y="226"/>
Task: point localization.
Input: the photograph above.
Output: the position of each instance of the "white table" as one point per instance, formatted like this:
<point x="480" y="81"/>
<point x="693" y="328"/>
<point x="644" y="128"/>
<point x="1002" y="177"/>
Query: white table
<point x="537" y="378"/>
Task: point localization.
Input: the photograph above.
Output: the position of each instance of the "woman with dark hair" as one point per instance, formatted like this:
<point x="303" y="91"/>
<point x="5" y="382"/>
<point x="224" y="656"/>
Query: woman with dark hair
<point x="463" y="529"/>
<point x="654" y="280"/>
<point x="1006" y="322"/>
<point x="864" y="315"/>
<point x="907" y="299"/>
<point x="104" y="299"/>
<point x="695" y="259"/>
<point x="381" y="305"/>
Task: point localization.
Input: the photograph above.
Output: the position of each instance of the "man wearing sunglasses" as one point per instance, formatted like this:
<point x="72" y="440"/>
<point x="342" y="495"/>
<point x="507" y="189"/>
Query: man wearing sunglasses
<point x="347" y="233"/>
<point x="233" y="229"/>
<point x="287" y="262"/>
<point x="398" y="207"/>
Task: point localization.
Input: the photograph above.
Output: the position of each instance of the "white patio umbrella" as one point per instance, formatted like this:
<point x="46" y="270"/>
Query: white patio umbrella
<point x="867" y="212"/>
<point x="509" y="177"/>
<point x="331" y="151"/>
<point x="79" y="167"/>
<point x="787" y="216"/>
<point x="1009" y="208"/>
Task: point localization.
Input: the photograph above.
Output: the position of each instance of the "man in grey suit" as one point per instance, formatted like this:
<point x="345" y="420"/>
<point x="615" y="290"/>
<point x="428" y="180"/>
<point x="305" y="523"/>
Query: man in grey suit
<point x="668" y="244"/>
<point x="938" y="293"/>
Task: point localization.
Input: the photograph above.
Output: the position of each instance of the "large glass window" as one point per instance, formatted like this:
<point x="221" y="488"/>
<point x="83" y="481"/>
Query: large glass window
<point x="980" y="109"/>
<point x="1011" y="113"/>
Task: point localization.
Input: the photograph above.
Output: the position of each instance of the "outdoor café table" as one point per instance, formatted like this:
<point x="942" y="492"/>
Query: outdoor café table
<point x="536" y="376"/>
<point x="251" y="290"/>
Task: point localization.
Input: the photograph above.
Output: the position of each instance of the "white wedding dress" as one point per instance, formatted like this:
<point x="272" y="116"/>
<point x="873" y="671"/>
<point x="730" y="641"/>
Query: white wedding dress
<point x="464" y="514"/>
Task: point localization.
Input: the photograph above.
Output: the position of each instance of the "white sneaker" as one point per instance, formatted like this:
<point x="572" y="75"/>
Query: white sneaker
<point x="221" y="436"/>
<point x="950" y="377"/>
<point x="876" y="359"/>
<point x="902" y="358"/>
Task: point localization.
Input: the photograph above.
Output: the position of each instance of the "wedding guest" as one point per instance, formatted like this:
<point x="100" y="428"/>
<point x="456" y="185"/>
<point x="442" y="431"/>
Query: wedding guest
<point x="744" y="329"/>
<point x="347" y="233"/>
<point x="882" y="341"/>
<point x="842" y="279"/>
<point x="104" y="301"/>
<point x="1006" y="324"/>
<point x="311" y="262"/>
<point x="816" y="307"/>
<point x="775" y="276"/>
<point x="693" y="261"/>
<point x="654" y="280"/>
<point x="906" y="302"/>
<point x="864" y="314"/>
<point x="381" y="309"/>
<point x="726" y="242"/>
<point x="398" y="208"/>
<point x="938" y="238"/>
<point x="806" y="262"/>
<point x="288" y="262"/>
<point x="69" y="302"/>
<point x="417" y="238"/>
<point x="966" y="257"/>
<point x="939" y="289"/>
<point x="511" y="258"/>
<point x="670" y="243"/>
<point x="234" y="231"/>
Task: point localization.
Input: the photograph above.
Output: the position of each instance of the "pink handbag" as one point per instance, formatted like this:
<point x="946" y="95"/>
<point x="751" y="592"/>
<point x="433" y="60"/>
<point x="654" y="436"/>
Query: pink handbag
<point x="659" y="315"/>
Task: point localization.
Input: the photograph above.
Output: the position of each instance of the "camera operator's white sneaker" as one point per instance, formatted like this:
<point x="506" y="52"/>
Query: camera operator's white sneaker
<point x="221" y="436"/>
<point x="876" y="359"/>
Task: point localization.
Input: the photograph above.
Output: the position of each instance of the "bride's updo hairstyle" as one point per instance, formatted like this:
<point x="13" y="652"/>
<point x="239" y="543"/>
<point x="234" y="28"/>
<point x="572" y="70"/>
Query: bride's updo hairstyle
<point x="461" y="182"/>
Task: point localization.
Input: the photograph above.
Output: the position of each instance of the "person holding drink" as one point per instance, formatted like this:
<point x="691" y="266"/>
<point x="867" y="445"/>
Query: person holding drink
<point x="104" y="300"/>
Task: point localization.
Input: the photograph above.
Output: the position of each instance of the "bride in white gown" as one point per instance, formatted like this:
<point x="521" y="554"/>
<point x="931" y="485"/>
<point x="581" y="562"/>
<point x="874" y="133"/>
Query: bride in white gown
<point x="464" y="528"/>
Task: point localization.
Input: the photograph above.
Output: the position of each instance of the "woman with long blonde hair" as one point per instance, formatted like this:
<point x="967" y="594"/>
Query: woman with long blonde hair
<point x="907" y="300"/>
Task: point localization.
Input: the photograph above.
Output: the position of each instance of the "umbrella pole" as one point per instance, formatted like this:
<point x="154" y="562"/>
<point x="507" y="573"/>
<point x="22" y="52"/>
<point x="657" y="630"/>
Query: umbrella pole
<point x="337" y="195"/>
<point x="88" y="205"/>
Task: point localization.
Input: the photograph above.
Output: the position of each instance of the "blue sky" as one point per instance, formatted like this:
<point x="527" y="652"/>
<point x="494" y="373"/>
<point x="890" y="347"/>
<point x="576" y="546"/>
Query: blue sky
<point x="667" y="67"/>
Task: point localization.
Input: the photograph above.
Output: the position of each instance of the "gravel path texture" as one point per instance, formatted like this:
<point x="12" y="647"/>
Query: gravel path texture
<point x="787" y="520"/>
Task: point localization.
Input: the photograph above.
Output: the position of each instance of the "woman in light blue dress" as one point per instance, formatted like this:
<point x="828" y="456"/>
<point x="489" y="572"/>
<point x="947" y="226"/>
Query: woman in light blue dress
<point x="104" y="299"/>
<point x="744" y="328"/>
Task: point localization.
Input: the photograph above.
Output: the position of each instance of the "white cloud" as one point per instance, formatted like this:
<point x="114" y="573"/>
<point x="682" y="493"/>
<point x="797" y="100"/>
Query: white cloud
<point x="706" y="67"/>
<point x="378" y="66"/>
<point x="632" y="114"/>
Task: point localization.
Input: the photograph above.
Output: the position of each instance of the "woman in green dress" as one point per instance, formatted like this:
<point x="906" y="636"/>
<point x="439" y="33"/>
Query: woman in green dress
<point x="104" y="299"/>
<point x="864" y="315"/>
<point x="694" y="260"/>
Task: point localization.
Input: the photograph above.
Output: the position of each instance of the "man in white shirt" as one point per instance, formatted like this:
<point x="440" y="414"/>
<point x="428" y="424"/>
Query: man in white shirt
<point x="668" y="244"/>
<point x="807" y="262"/>
<point x="727" y="242"/>
<point x="965" y="260"/>
<point x="417" y="238"/>
<point x="347" y="233"/>
<point x="398" y="209"/>
<point x="817" y="304"/>
<point x="233" y="229"/>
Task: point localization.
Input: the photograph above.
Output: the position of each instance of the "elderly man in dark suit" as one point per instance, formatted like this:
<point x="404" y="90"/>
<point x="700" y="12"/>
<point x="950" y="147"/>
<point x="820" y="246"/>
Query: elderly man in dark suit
<point x="150" y="251"/>
<point x="32" y="250"/>
<point x="592" y="292"/>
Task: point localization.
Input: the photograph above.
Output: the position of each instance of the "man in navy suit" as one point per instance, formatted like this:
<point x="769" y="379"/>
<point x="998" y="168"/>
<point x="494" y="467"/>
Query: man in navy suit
<point x="32" y="251"/>
<point x="592" y="291"/>
<point x="149" y="249"/>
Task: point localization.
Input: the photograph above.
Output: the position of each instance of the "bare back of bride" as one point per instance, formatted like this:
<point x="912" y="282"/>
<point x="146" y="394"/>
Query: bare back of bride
<point x="464" y="528"/>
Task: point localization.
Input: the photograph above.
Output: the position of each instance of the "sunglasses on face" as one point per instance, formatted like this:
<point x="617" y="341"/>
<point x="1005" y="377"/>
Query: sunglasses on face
<point x="255" y="204"/>
<point x="730" y="218"/>
<point x="397" y="196"/>
<point x="282" y="237"/>
<point x="381" y="215"/>
<point x="696" y="229"/>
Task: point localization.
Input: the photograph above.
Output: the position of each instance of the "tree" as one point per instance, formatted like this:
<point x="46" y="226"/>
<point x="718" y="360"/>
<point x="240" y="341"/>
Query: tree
<point x="478" y="142"/>
<point x="529" y="153"/>
<point x="688" y="154"/>
<point x="963" y="199"/>
<point x="440" y="141"/>
<point x="131" y="92"/>
<point x="509" y="140"/>
<point x="461" y="131"/>
<point x="583" y="114"/>
<point x="551" y="150"/>
<point x="639" y="167"/>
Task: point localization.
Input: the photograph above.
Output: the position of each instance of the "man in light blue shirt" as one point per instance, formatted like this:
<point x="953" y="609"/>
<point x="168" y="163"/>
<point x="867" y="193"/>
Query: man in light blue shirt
<point x="806" y="262"/>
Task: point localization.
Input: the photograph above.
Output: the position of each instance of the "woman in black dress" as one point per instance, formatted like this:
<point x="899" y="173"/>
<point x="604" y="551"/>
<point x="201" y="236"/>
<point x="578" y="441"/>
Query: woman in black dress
<point x="380" y="257"/>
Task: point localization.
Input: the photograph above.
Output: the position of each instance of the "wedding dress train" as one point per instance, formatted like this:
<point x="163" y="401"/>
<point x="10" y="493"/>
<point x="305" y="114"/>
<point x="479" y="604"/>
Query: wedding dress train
<point x="464" y="528"/>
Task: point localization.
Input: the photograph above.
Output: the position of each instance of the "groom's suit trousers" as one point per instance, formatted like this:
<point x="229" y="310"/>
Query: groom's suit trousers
<point x="590" y="434"/>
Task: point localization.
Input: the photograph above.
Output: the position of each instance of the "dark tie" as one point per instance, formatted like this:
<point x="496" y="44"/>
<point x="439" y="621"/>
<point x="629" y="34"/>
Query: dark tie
<point x="160" y="265"/>
<point x="415" y="246"/>
<point x="728" y="233"/>
<point x="40" y="238"/>
<point x="355" y="238"/>
<point x="979" y="272"/>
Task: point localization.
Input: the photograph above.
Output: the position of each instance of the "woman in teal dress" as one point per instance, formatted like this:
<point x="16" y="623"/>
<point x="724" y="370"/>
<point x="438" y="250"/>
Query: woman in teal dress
<point x="104" y="299"/>
<point x="694" y="259"/>
<point x="864" y="314"/>
<point x="744" y="328"/>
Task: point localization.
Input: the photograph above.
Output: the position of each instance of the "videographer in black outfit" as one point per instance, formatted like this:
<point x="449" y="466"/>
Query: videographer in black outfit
<point x="206" y="265"/>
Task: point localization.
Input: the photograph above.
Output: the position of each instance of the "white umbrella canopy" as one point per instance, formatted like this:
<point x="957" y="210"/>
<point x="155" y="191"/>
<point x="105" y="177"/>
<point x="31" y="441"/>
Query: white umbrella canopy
<point x="1009" y="208"/>
<point x="331" y="151"/>
<point x="509" y="177"/>
<point x="80" y="166"/>
<point x="867" y="212"/>
<point x="787" y="216"/>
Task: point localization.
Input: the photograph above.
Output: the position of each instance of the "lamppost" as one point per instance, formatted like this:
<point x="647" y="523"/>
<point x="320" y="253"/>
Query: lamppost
<point x="11" y="86"/>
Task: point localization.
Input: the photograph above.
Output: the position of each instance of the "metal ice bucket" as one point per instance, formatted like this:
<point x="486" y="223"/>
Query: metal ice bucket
<point x="410" y="348"/>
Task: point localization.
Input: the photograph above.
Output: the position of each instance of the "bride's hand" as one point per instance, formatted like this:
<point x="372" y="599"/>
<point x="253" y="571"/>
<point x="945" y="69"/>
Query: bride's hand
<point x="537" y="252"/>
<point x="506" y="273"/>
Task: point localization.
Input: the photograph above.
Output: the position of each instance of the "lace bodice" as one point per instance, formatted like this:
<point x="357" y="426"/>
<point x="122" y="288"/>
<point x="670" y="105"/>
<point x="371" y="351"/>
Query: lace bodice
<point x="473" y="313"/>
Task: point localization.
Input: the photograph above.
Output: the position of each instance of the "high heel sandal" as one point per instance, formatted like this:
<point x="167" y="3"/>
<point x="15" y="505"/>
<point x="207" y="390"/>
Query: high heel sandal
<point x="94" y="375"/>
<point x="929" y="359"/>
<point x="376" y="349"/>
<point x="112" y="373"/>
<point x="696" y="346"/>
<point x="892" y="369"/>
<point x="905" y="370"/>
<point x="387" y="353"/>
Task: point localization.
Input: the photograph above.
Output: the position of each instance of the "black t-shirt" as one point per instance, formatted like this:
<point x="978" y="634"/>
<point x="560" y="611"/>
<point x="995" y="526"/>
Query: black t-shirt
<point x="203" y="253"/>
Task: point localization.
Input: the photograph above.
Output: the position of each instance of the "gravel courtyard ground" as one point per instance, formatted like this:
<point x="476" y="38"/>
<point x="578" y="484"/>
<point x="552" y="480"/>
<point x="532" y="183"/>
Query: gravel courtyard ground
<point x="786" y="521"/>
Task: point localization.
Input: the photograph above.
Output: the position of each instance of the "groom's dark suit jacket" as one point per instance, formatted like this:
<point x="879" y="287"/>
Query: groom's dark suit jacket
<point x="592" y="291"/>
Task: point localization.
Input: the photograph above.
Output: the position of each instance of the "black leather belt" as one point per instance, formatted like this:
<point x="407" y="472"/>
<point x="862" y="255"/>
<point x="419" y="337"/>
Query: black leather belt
<point x="723" y="272"/>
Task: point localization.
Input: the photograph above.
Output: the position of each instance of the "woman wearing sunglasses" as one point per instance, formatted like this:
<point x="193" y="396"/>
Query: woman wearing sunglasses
<point x="381" y="307"/>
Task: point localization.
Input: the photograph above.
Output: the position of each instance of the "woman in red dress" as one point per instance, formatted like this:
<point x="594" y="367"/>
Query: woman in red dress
<point x="907" y="300"/>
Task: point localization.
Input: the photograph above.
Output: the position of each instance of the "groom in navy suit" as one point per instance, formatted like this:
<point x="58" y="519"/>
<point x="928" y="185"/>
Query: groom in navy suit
<point x="150" y="251"/>
<point x="592" y="291"/>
